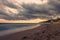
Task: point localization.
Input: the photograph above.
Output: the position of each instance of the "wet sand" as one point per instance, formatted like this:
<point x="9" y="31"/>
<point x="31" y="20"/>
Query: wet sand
<point x="43" y="32"/>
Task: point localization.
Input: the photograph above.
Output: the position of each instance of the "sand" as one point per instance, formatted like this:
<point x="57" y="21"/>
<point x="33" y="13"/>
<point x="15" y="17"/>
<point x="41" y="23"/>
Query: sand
<point x="43" y="32"/>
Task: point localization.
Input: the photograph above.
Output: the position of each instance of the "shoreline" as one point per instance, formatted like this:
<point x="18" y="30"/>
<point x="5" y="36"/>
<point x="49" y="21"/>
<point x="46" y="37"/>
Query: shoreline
<point x="11" y="31"/>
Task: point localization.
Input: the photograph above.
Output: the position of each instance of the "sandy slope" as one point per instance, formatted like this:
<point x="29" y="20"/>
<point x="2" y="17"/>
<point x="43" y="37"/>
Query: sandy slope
<point x="44" y="32"/>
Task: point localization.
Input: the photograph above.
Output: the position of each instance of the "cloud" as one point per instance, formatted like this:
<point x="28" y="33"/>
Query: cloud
<point x="11" y="5"/>
<point x="30" y="11"/>
<point x="55" y="4"/>
<point x="42" y="11"/>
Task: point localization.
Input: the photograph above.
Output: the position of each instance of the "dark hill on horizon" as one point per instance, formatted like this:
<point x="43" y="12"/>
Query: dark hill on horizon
<point x="52" y="21"/>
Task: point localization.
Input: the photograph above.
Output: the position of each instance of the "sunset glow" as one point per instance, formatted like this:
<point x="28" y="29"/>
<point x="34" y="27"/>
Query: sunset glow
<point x="28" y="11"/>
<point x="22" y="21"/>
<point x="13" y="12"/>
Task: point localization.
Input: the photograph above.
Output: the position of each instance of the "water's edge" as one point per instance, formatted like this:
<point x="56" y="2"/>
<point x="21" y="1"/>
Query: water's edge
<point x="6" y="32"/>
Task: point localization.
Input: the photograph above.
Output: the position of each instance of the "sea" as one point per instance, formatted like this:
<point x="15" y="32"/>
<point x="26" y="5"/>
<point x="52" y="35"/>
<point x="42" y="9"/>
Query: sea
<point x="7" y="26"/>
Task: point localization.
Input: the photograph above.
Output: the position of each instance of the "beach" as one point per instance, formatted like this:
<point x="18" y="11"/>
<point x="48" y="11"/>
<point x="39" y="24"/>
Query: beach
<point x="42" y="32"/>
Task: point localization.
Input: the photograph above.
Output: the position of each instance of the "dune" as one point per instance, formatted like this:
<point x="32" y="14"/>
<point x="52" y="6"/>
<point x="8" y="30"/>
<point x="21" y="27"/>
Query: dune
<point x="42" y="32"/>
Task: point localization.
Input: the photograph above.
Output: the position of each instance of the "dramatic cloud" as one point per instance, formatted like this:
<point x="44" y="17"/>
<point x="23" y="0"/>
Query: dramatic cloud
<point x="13" y="10"/>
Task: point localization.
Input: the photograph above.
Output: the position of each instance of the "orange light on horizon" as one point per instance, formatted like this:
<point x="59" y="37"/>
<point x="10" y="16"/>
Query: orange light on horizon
<point x="22" y="21"/>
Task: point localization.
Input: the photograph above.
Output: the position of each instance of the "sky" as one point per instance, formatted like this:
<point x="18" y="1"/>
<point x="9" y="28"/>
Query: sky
<point x="29" y="9"/>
